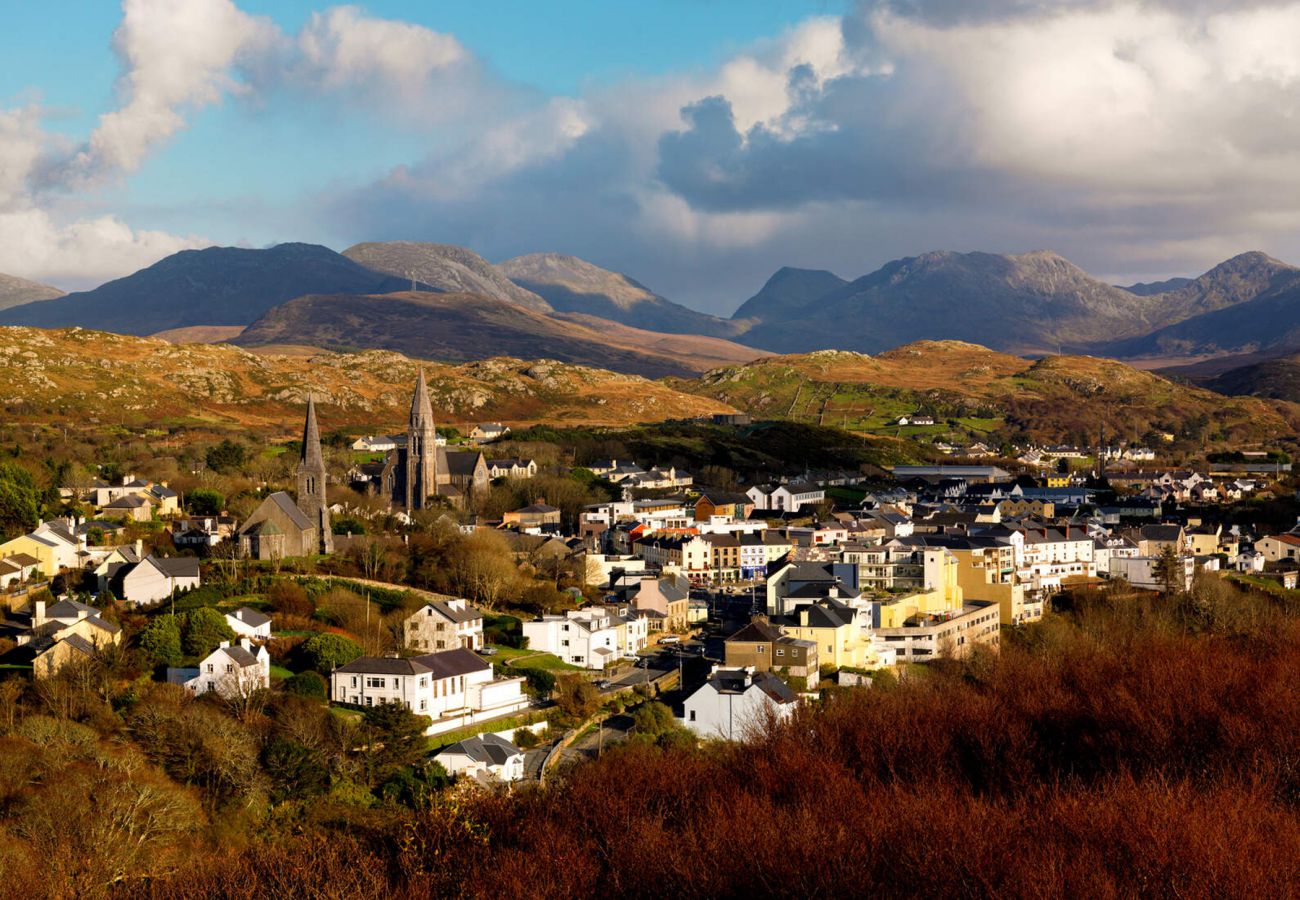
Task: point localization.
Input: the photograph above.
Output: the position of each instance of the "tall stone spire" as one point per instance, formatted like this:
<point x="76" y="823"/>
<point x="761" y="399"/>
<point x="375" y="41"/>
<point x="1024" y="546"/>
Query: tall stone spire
<point x="311" y="481"/>
<point x="421" y="449"/>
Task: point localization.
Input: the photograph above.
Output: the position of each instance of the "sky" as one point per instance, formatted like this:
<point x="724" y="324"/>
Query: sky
<point x="696" y="145"/>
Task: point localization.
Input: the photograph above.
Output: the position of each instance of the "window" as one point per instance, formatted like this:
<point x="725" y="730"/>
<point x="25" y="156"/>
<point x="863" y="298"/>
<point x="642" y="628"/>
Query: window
<point x="209" y="668"/>
<point x="375" y="682"/>
<point x="355" y="700"/>
<point x="370" y="701"/>
<point x="424" y="681"/>
<point x="577" y="659"/>
<point x="424" y="704"/>
<point x="762" y="648"/>
<point x="229" y="668"/>
<point x="354" y="683"/>
<point x="780" y="651"/>
<point x="692" y="717"/>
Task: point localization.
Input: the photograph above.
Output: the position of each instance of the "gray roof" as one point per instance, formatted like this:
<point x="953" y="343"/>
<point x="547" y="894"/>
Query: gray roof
<point x="489" y="748"/>
<point x="453" y="662"/>
<point x="286" y="504"/>
<point x="468" y="614"/>
<point x="176" y="566"/>
<point x="241" y="656"/>
<point x="251" y="617"/>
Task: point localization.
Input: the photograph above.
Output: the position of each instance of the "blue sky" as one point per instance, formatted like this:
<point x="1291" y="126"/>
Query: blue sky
<point x="696" y="144"/>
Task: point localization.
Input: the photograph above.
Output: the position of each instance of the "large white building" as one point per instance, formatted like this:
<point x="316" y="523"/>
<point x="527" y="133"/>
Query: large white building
<point x="790" y="497"/>
<point x="155" y="578"/>
<point x="734" y="703"/>
<point x="453" y="688"/>
<point x="592" y="638"/>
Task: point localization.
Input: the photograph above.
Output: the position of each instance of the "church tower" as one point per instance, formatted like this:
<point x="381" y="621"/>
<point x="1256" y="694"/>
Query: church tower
<point x="421" y="450"/>
<point x="311" y="481"/>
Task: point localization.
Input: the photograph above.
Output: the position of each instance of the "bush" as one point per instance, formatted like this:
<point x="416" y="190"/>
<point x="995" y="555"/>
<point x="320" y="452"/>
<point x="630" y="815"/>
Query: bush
<point x="226" y="457"/>
<point x="290" y="598"/>
<point x="577" y="697"/>
<point x="204" y="629"/>
<point x="525" y="738"/>
<point x="540" y="683"/>
<point x="307" y="684"/>
<point x="161" y="641"/>
<point x="205" y="502"/>
<point x="326" y="652"/>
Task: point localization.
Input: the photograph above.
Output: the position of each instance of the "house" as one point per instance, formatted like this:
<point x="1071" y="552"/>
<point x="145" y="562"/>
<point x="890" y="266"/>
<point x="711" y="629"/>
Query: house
<point x="1153" y="539"/>
<point x="713" y="502"/>
<point x="63" y="632"/>
<point x="230" y="671"/>
<point x="970" y="474"/>
<point x="444" y="625"/>
<point x="790" y="497"/>
<point x="454" y="688"/>
<point x="54" y="544"/>
<point x="511" y="468"/>
<point x="762" y="647"/>
<point x="535" y="515"/>
<point x="17" y="568"/>
<point x="1140" y="571"/>
<point x="485" y="757"/>
<point x="132" y="507"/>
<point x="488" y="431"/>
<point x="834" y="629"/>
<point x="735" y="703"/>
<point x="1279" y="547"/>
<point x="202" y="532"/>
<point x="665" y="601"/>
<point x="154" y="578"/>
<point x="915" y="419"/>
<point x="593" y="638"/>
<point x="375" y="443"/>
<point x="115" y="560"/>
<point x="733" y="419"/>
<point x="249" y="623"/>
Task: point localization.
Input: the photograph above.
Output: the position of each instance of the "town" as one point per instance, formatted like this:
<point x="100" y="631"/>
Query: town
<point x="501" y="642"/>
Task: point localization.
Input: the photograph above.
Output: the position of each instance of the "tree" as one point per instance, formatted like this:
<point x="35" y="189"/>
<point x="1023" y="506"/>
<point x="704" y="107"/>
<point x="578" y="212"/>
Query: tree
<point x="205" y="629"/>
<point x="326" y="652"/>
<point x="1168" y="570"/>
<point x="205" y="502"/>
<point x="288" y="597"/>
<point x="540" y="683"/>
<point x="395" y="738"/>
<point x="577" y="697"/>
<point x="161" y="641"/>
<point x="228" y="456"/>
<point x="20" y="501"/>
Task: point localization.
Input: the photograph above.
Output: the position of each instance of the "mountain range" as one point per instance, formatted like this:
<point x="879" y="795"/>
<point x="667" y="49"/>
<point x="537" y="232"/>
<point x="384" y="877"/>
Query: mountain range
<point x="447" y="301"/>
<point x="17" y="291"/>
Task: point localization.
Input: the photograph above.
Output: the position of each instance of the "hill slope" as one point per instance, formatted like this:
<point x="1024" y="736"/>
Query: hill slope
<point x="574" y="285"/>
<point x="16" y="291"/>
<point x="443" y="267"/>
<point x="465" y="326"/>
<point x="1051" y="399"/>
<point x="76" y="375"/>
<point x="1028" y="303"/>
<point x="1247" y="304"/>
<point x="214" y="286"/>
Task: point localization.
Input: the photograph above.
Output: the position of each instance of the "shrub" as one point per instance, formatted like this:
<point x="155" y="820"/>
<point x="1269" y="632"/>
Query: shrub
<point x="204" y="629"/>
<point x="525" y="738"/>
<point x="205" y="502"/>
<point x="307" y="684"/>
<point x="161" y="641"/>
<point x="290" y="598"/>
<point x="326" y="652"/>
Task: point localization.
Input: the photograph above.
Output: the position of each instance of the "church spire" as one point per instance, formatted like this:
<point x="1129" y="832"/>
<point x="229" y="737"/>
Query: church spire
<point x="421" y="470"/>
<point x="421" y="409"/>
<point x="311" y="455"/>
<point x="311" y="481"/>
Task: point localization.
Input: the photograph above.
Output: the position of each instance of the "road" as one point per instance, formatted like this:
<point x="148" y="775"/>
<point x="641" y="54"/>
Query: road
<point x="589" y="746"/>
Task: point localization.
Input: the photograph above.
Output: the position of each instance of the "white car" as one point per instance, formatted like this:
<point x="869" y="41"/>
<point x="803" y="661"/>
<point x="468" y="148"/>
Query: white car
<point x="670" y="639"/>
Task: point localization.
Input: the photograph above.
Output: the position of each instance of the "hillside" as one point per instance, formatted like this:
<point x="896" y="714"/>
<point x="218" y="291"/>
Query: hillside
<point x="443" y="267"/>
<point x="1148" y="288"/>
<point x="78" y="375"/>
<point x="16" y="291"/>
<point x="574" y="285"/>
<point x="1028" y="303"/>
<point x="1051" y="399"/>
<point x="462" y="327"/>
<point x="1256" y="375"/>
<point x="787" y="292"/>
<point x="213" y="286"/>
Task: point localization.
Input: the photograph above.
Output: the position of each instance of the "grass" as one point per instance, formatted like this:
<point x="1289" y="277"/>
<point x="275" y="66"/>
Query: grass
<point x="438" y="741"/>
<point x="280" y="673"/>
<point x="533" y="659"/>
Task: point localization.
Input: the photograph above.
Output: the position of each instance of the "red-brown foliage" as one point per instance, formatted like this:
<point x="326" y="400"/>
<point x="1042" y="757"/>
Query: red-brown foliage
<point x="1107" y="759"/>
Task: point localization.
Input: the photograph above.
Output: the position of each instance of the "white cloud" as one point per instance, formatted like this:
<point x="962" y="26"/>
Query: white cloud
<point x="343" y="47"/>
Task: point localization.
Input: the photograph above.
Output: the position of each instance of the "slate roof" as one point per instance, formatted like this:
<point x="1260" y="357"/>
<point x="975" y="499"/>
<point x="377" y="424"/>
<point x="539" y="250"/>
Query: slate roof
<point x="251" y="617"/>
<point x="490" y="749"/>
<point x="757" y="631"/>
<point x="176" y="566"/>
<point x="453" y="662"/>
<point x="462" y="462"/>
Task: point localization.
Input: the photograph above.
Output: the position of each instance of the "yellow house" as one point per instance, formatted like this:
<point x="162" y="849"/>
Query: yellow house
<point x="1058" y="480"/>
<point x="986" y="570"/>
<point x="834" y="629"/>
<point x="45" y="552"/>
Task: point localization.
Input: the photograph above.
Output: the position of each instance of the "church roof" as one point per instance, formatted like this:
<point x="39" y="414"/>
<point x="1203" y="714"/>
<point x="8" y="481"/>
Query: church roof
<point x="311" y="455"/>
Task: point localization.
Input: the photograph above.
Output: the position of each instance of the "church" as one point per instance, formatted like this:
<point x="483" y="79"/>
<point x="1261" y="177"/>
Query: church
<point x="424" y="474"/>
<point x="282" y="527"/>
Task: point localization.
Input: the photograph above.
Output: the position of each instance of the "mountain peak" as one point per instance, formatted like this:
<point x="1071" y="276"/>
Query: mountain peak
<point x="15" y="291"/>
<point x="443" y="267"/>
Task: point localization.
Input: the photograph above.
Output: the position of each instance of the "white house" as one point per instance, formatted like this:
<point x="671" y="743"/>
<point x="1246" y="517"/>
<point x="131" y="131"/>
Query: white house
<point x="229" y="671"/>
<point x="453" y="688"/>
<point x="484" y="756"/>
<point x="374" y="443"/>
<point x="592" y="638"/>
<point x="1140" y="571"/>
<point x="735" y="702"/>
<point x="488" y="431"/>
<point x="790" y="497"/>
<point x="154" y="578"/>
<point x="249" y="623"/>
<point x="444" y="625"/>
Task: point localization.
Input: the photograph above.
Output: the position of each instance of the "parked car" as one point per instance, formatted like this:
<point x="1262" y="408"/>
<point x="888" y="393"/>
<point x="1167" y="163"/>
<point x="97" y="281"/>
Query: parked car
<point x="670" y="639"/>
<point x="603" y="684"/>
<point x="488" y="651"/>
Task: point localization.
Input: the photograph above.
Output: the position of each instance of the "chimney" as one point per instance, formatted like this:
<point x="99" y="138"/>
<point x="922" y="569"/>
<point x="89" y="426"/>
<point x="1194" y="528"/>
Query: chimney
<point x="224" y="645"/>
<point x="139" y="547"/>
<point x="38" y="613"/>
<point x="246" y="643"/>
